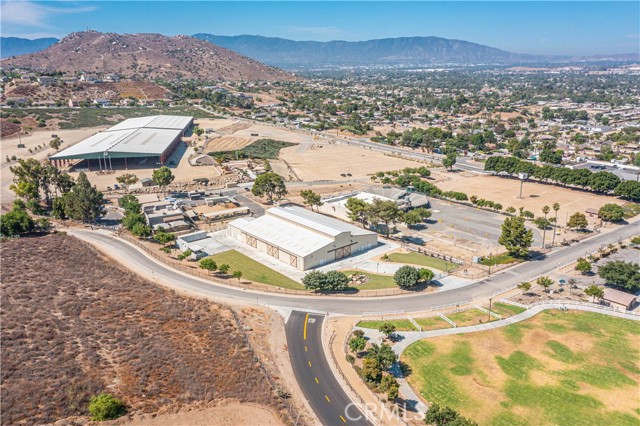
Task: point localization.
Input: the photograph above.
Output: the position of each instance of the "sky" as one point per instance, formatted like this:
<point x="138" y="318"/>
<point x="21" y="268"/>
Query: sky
<point x="536" y="27"/>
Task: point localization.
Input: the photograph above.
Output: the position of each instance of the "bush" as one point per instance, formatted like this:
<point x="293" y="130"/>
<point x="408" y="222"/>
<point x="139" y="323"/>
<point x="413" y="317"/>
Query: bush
<point x="350" y="359"/>
<point x="105" y="407"/>
<point x="406" y="276"/>
<point x="330" y="281"/>
<point x="611" y="213"/>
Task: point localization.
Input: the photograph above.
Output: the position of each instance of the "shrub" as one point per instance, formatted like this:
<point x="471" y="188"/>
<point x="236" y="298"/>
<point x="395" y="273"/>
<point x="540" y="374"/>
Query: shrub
<point x="611" y="213"/>
<point x="105" y="407"/>
<point x="406" y="277"/>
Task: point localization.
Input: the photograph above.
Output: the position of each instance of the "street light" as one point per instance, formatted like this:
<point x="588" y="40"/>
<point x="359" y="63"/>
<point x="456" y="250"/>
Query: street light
<point x="489" y="314"/>
<point x="490" y="254"/>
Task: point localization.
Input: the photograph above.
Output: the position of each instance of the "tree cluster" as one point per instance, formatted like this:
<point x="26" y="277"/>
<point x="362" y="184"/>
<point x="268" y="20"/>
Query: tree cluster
<point x="325" y="281"/>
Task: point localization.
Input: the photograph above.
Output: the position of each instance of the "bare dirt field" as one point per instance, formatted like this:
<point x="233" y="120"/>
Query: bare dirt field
<point x="229" y="143"/>
<point x="535" y="195"/>
<point x="329" y="161"/>
<point x="75" y="325"/>
<point x="229" y="413"/>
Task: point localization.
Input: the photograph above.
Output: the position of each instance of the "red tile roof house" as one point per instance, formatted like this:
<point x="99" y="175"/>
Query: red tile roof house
<point x="619" y="299"/>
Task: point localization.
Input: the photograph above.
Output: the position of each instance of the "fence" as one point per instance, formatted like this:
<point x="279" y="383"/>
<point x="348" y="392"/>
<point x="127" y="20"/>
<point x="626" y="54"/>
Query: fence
<point x="251" y="285"/>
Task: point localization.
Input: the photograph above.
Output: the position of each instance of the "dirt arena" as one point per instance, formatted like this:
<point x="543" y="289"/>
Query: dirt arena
<point x="328" y="161"/>
<point x="535" y="195"/>
<point x="229" y="143"/>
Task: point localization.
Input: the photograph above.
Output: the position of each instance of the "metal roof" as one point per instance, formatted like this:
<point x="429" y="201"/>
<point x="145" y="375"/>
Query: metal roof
<point x="135" y="137"/>
<point x="296" y="230"/>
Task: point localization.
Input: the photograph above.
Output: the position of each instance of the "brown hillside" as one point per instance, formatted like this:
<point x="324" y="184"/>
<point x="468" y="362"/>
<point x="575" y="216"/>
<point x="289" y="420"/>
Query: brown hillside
<point x="146" y="56"/>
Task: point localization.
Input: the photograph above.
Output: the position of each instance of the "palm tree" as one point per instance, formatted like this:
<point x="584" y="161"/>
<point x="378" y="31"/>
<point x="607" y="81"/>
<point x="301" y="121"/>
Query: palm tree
<point x="545" y="210"/>
<point x="556" y="207"/>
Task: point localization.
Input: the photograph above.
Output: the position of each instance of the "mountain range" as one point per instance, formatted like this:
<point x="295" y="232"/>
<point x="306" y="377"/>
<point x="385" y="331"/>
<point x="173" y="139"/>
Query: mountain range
<point x="14" y="46"/>
<point x="146" y="56"/>
<point x="402" y="51"/>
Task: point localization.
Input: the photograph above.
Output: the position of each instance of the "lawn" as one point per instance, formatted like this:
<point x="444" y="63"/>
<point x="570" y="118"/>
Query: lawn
<point x="499" y="260"/>
<point x="557" y="368"/>
<point x="432" y="323"/>
<point x="375" y="282"/>
<point x="254" y="271"/>
<point x="469" y="317"/>
<point x="401" y="324"/>
<point x="505" y="310"/>
<point x="422" y="260"/>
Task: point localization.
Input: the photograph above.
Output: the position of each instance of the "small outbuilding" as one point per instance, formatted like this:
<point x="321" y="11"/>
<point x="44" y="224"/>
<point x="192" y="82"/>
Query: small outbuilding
<point x="619" y="299"/>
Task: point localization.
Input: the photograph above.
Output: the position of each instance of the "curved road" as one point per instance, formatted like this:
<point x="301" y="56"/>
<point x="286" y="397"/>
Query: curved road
<point x="360" y="305"/>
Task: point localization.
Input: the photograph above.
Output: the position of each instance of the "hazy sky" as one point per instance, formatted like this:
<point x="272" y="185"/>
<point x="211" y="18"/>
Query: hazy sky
<point x="573" y="27"/>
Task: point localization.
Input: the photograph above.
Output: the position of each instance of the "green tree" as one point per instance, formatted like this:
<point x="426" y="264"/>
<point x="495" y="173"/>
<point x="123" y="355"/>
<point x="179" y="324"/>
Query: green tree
<point x="237" y="275"/>
<point x="208" y="264"/>
<point x="383" y="354"/>
<point x="449" y="160"/>
<point x="162" y="177"/>
<point x="445" y="416"/>
<point x="389" y="384"/>
<point x="406" y="276"/>
<point x="271" y="185"/>
<point x="55" y="143"/>
<point x="356" y="209"/>
<point x="525" y="286"/>
<point x="139" y="229"/>
<point x="415" y="216"/>
<point x="385" y="211"/>
<point x="83" y="202"/>
<point x="357" y="344"/>
<point x="16" y="222"/>
<point x="127" y="179"/>
<point x="515" y="237"/>
<point x="625" y="275"/>
<point x="311" y="199"/>
<point x="224" y="268"/>
<point x="594" y="291"/>
<point x="426" y="275"/>
<point x="583" y="266"/>
<point x="105" y="407"/>
<point x="629" y="189"/>
<point x="546" y="211"/>
<point x="387" y="329"/>
<point x="577" y="221"/>
<point x="611" y="213"/>
<point x="198" y="131"/>
<point x="545" y="283"/>
<point x="555" y="208"/>
<point x="371" y="370"/>
<point x="329" y="281"/>
<point x="163" y="238"/>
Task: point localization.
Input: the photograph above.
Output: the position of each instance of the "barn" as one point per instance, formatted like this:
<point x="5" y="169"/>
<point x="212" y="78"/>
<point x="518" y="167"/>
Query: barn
<point x="301" y="238"/>
<point x="136" y="139"/>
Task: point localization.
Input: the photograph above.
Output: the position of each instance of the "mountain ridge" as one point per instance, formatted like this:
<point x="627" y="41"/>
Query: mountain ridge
<point x="146" y="56"/>
<point x="15" y="46"/>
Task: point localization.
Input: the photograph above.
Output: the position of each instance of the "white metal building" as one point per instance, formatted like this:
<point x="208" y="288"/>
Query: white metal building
<point x="301" y="238"/>
<point x="142" y="137"/>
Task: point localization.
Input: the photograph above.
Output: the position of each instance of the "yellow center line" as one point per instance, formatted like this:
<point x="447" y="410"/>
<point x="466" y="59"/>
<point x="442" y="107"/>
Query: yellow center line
<point x="317" y="381"/>
<point x="309" y="363"/>
<point x="306" y="320"/>
<point x="343" y="420"/>
<point x="327" y="398"/>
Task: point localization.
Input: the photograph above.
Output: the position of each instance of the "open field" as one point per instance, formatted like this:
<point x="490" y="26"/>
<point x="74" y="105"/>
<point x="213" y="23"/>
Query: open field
<point x="228" y="143"/>
<point x="535" y="195"/>
<point x="75" y="324"/>
<point x="558" y="368"/>
<point x="253" y="270"/>
<point x="422" y="260"/>
<point x="430" y="323"/>
<point x="329" y="161"/>
<point x="470" y="317"/>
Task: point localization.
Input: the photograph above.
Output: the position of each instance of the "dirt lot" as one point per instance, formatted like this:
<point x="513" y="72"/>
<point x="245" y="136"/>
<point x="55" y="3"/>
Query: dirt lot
<point x="75" y="324"/>
<point x="328" y="161"/>
<point x="535" y="195"/>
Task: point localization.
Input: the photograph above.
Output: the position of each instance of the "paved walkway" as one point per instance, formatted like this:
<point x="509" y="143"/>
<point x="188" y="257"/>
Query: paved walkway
<point x="409" y="337"/>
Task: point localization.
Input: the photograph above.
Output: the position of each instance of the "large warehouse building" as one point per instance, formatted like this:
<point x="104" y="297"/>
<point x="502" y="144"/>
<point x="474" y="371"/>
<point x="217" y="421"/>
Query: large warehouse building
<point x="153" y="137"/>
<point x="301" y="238"/>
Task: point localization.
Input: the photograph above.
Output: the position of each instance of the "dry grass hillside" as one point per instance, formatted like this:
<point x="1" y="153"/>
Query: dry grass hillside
<point x="74" y="324"/>
<point x="146" y="56"/>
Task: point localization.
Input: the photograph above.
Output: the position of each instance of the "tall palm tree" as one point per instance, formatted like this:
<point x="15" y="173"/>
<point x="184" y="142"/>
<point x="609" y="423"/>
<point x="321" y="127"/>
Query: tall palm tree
<point x="556" y="207"/>
<point x="545" y="210"/>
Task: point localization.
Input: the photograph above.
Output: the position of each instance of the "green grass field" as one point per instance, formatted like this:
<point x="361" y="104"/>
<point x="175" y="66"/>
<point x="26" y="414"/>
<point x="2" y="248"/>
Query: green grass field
<point x="254" y="271"/>
<point x="558" y="368"/>
<point x="470" y="317"/>
<point x="422" y="260"/>
<point x="505" y="310"/>
<point x="500" y="259"/>
<point x="375" y="282"/>
<point x="401" y="324"/>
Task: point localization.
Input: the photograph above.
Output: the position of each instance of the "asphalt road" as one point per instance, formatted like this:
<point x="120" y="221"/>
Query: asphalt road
<point x="325" y="395"/>
<point x="360" y="305"/>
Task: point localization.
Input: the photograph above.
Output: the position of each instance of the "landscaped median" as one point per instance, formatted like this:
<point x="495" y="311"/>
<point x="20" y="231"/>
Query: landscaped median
<point x="559" y="367"/>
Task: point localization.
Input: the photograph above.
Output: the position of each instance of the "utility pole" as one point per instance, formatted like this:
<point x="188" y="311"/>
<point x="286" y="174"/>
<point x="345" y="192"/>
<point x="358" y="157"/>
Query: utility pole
<point x="489" y="314"/>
